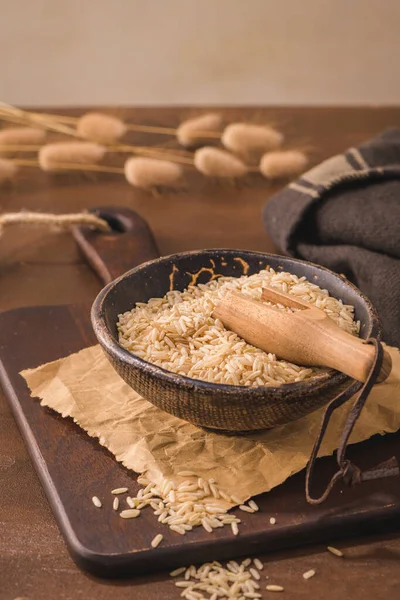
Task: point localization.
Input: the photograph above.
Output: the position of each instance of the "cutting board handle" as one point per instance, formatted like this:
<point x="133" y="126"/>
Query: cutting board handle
<point x="130" y="242"/>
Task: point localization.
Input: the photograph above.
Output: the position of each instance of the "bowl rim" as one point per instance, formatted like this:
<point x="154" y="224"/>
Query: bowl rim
<point x="112" y="347"/>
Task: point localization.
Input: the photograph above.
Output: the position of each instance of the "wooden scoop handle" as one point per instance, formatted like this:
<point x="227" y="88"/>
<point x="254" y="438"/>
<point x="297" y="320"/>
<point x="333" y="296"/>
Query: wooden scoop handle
<point x="307" y="337"/>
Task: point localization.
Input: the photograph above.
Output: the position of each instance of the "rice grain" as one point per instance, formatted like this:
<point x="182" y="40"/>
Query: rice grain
<point x="274" y="588"/>
<point x="177" y="572"/>
<point x="254" y="505"/>
<point x="157" y="540"/>
<point x="255" y="573"/>
<point x="177" y="529"/>
<point x="258" y="564"/>
<point x="236" y="500"/>
<point x="309" y="574"/>
<point x="246" y="508"/>
<point x="121" y="490"/>
<point x="335" y="551"/>
<point x="130" y="513"/>
<point x="246" y="562"/>
<point x="206" y="525"/>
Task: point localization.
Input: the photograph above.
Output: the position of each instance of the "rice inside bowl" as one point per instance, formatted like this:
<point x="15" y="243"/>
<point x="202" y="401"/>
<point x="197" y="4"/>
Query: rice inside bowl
<point x="178" y="333"/>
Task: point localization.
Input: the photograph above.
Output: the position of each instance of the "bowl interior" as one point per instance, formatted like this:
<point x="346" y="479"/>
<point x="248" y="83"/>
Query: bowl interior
<point x="176" y="272"/>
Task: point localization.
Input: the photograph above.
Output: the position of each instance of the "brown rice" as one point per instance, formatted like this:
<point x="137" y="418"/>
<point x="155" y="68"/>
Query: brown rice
<point x="235" y="581"/>
<point x="178" y="333"/>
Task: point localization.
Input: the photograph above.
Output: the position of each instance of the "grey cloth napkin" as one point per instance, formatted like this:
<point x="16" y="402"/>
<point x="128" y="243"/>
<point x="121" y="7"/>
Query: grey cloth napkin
<point x="345" y="214"/>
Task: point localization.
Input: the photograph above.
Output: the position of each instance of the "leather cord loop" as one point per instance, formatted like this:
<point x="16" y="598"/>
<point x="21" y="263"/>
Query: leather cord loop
<point x="348" y="472"/>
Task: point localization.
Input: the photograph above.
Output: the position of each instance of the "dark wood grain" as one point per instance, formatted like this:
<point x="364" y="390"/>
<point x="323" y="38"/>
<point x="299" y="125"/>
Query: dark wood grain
<point x="48" y="269"/>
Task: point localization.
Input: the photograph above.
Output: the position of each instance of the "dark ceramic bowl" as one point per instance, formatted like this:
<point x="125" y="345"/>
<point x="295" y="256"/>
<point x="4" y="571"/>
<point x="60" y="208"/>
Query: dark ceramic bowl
<point x="226" y="408"/>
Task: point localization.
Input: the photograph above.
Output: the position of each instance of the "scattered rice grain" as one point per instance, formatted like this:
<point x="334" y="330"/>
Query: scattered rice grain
<point x="309" y="574"/>
<point x="143" y="480"/>
<point x="220" y="583"/>
<point x="206" y="525"/>
<point x="214" y="491"/>
<point x="254" y="573"/>
<point x="157" y="540"/>
<point x="254" y="505"/>
<point x="274" y="588"/>
<point x="224" y="496"/>
<point x="177" y="529"/>
<point x="258" y="564"/>
<point x="121" y="490"/>
<point x="246" y="508"/>
<point x="177" y="572"/>
<point x="130" y="513"/>
<point x="236" y="500"/>
<point x="246" y="562"/>
<point x="233" y="566"/>
<point x="335" y="551"/>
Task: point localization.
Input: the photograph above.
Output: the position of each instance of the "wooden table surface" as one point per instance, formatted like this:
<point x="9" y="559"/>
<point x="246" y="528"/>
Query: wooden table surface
<point x="37" y="267"/>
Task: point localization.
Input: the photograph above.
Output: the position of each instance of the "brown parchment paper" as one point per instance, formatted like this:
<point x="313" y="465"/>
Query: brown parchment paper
<point x="147" y="440"/>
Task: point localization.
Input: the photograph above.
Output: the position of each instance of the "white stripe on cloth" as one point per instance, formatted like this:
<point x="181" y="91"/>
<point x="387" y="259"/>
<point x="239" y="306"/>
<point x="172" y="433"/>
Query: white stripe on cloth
<point x="356" y="154"/>
<point x="303" y="189"/>
<point x="330" y="170"/>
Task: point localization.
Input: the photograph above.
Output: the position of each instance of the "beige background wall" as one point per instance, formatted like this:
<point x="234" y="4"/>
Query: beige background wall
<point x="199" y="51"/>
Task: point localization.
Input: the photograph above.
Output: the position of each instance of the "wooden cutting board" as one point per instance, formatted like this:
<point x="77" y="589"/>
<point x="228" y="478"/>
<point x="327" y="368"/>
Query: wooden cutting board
<point x="73" y="467"/>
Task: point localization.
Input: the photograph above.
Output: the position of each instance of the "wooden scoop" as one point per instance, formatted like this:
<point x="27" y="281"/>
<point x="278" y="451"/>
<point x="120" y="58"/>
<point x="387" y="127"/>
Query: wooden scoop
<point x="307" y="337"/>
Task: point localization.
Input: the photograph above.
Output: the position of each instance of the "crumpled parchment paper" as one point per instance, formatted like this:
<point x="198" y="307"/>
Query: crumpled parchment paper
<point x="84" y="386"/>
